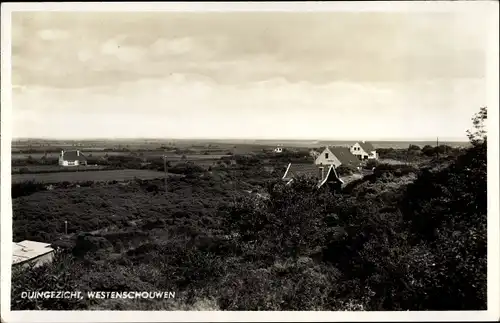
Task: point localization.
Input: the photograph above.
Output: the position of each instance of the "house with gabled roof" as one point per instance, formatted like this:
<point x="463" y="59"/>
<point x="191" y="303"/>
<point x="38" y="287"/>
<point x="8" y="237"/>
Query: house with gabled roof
<point x="337" y="156"/>
<point x="364" y="150"/>
<point x="72" y="158"/>
<point x="323" y="170"/>
<point x="325" y="175"/>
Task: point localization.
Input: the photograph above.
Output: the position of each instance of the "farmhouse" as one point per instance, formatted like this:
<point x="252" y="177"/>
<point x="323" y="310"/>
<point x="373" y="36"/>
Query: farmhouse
<point x="337" y="156"/>
<point x="31" y="252"/>
<point x="322" y="174"/>
<point x="364" y="150"/>
<point x="72" y="158"/>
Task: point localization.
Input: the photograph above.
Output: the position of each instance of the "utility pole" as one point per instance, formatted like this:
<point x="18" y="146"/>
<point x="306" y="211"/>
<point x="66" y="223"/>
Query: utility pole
<point x="165" y="169"/>
<point x="437" y="148"/>
<point x="66" y="227"/>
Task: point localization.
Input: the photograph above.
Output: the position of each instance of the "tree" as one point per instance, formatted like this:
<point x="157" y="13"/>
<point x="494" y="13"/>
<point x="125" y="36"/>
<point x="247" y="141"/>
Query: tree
<point x="478" y="134"/>
<point x="446" y="211"/>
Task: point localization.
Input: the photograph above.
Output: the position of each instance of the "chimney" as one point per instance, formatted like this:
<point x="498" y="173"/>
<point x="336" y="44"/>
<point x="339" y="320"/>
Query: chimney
<point x="62" y="153"/>
<point x="78" y="153"/>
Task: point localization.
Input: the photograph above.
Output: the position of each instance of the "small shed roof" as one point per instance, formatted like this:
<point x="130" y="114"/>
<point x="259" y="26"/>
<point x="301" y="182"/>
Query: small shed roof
<point x="27" y="250"/>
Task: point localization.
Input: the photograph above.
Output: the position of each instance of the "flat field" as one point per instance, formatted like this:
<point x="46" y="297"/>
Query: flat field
<point x="97" y="176"/>
<point x="55" y="168"/>
<point x="147" y="154"/>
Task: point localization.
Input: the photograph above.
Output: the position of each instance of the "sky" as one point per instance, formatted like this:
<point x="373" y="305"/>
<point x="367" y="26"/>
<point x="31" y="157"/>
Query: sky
<point x="255" y="75"/>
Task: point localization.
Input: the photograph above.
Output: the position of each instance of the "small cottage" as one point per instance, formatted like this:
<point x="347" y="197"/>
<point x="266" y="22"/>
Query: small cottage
<point x="72" y="158"/>
<point x="364" y="150"/>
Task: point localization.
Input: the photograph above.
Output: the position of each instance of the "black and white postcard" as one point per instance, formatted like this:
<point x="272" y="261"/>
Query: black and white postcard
<point x="250" y="161"/>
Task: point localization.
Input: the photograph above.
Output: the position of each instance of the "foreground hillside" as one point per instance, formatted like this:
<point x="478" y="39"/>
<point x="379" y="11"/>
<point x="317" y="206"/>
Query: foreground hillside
<point x="403" y="238"/>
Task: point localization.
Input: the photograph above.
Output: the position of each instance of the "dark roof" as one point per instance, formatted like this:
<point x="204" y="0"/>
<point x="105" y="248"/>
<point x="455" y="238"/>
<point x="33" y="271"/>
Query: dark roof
<point x="311" y="171"/>
<point x="330" y="176"/>
<point x="367" y="146"/>
<point x="307" y="170"/>
<point x="345" y="156"/>
<point x="73" y="155"/>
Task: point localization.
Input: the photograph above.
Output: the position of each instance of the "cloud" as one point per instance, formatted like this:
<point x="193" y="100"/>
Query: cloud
<point x="176" y="46"/>
<point x="85" y="55"/>
<point x="179" y="106"/>
<point x="319" y="75"/>
<point x="244" y="47"/>
<point x="125" y="54"/>
<point x="53" y="34"/>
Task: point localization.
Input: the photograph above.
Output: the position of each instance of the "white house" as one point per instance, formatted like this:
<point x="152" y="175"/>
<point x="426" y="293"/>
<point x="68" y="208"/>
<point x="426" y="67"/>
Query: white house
<point x="72" y="158"/>
<point x="278" y="149"/>
<point x="34" y="252"/>
<point x="337" y="156"/>
<point x="364" y="150"/>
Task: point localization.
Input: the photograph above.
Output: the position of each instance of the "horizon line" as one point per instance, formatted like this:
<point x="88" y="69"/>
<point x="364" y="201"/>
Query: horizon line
<point x="239" y="139"/>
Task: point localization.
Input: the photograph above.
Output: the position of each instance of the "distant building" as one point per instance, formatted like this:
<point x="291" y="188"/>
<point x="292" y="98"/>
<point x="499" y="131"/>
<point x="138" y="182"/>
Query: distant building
<point x="278" y="149"/>
<point x="364" y="150"/>
<point x="26" y="252"/>
<point x="324" y="175"/>
<point x="337" y="156"/>
<point x="72" y="158"/>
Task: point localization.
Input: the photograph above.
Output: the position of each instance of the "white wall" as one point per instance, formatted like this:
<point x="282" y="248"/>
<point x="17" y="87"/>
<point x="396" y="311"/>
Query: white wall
<point x="357" y="150"/>
<point x="373" y="155"/>
<point x="38" y="261"/>
<point x="327" y="158"/>
<point x="67" y="163"/>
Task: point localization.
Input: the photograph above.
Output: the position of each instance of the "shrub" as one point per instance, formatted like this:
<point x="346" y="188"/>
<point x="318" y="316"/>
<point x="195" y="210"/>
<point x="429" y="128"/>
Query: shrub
<point x="186" y="168"/>
<point x="345" y="170"/>
<point x="61" y="274"/>
<point x="371" y="163"/>
<point x="85" y="243"/>
<point x="26" y="188"/>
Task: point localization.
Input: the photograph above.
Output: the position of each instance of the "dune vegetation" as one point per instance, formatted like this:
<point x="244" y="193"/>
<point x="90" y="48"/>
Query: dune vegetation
<point x="407" y="237"/>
